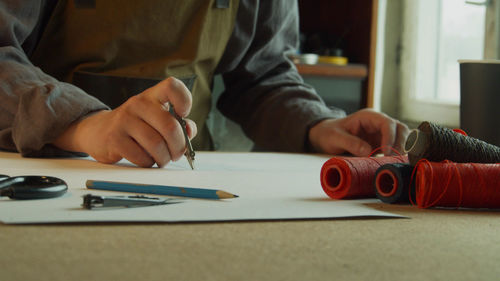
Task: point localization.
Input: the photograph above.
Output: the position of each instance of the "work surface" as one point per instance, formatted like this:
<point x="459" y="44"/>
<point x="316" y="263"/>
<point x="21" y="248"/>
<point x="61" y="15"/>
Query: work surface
<point x="269" y="185"/>
<point x="430" y="245"/>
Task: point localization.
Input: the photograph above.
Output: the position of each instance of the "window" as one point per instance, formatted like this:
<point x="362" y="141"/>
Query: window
<point x="436" y="34"/>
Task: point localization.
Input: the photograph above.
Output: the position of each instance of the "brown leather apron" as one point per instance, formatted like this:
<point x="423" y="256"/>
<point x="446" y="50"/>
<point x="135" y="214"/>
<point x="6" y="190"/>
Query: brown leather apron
<point x="114" y="49"/>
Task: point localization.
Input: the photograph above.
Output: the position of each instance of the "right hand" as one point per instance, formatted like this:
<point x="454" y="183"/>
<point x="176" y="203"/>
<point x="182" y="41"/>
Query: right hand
<point x="141" y="130"/>
<point x="359" y="134"/>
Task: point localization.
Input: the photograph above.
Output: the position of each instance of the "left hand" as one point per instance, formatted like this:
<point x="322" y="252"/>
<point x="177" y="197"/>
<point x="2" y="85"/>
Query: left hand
<point x="359" y="134"/>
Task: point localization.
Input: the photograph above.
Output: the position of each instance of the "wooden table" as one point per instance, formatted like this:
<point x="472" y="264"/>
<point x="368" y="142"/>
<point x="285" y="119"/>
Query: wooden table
<point x="432" y="245"/>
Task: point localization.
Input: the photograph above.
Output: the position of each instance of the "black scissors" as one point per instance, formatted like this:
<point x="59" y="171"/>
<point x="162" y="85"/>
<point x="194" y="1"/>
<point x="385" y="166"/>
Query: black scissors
<point x="32" y="187"/>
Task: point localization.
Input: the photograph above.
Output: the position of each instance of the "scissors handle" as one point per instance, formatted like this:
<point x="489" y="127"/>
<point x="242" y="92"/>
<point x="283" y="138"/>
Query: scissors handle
<point x="32" y="187"/>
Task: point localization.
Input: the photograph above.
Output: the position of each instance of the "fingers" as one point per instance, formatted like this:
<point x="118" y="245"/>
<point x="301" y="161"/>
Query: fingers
<point x="108" y="140"/>
<point x="157" y="117"/>
<point x="159" y="133"/>
<point x="191" y="128"/>
<point x="150" y="141"/>
<point x="140" y="130"/>
<point x="112" y="144"/>
<point x="174" y="91"/>
<point x="144" y="146"/>
<point x="402" y="134"/>
<point x="351" y="143"/>
<point x="134" y="153"/>
<point x="391" y="133"/>
<point x="359" y="133"/>
<point x="387" y="127"/>
<point x="331" y="136"/>
<point x="160" y="125"/>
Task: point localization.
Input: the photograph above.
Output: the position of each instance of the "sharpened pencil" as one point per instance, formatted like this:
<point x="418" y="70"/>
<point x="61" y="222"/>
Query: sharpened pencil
<point x="159" y="189"/>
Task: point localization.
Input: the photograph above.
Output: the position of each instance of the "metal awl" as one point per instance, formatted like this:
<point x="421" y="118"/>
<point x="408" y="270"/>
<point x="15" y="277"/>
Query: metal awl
<point x="189" y="148"/>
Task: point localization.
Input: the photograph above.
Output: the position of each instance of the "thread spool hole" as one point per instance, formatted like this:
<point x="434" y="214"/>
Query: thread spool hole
<point x="386" y="183"/>
<point x="411" y="141"/>
<point x="333" y="177"/>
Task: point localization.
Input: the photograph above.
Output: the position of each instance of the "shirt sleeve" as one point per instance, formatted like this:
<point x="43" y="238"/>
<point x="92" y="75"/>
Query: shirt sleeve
<point x="263" y="91"/>
<point x="35" y="108"/>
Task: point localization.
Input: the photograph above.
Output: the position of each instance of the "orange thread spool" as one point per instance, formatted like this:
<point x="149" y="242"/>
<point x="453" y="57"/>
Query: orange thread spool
<point x="352" y="177"/>
<point x="449" y="184"/>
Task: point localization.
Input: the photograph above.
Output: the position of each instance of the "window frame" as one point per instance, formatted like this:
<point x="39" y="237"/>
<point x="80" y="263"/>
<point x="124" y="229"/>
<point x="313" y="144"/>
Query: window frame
<point x="417" y="53"/>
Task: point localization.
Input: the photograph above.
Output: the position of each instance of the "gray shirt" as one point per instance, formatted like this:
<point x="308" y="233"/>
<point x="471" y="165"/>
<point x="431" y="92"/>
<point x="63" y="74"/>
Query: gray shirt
<point x="263" y="91"/>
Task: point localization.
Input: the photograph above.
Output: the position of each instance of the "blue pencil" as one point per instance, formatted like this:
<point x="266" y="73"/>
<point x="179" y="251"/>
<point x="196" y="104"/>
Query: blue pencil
<point x="159" y="189"/>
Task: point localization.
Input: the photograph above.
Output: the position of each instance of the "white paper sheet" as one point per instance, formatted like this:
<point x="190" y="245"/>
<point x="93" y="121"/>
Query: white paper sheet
<point x="271" y="186"/>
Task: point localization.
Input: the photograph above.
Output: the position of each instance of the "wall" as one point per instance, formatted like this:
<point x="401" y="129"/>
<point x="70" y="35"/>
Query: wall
<point x="387" y="72"/>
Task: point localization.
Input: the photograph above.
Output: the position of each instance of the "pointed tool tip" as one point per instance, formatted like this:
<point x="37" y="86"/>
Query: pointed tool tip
<point x="190" y="162"/>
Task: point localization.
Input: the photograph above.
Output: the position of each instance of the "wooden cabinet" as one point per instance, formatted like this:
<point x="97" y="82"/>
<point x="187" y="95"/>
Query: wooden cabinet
<point x="353" y="26"/>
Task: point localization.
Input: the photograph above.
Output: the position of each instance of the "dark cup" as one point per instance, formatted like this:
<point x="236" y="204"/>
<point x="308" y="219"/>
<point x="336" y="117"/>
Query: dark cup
<point x="480" y="99"/>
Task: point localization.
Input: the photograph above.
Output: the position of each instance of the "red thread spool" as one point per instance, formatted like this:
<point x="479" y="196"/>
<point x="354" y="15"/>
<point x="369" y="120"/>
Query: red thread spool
<point x="352" y="177"/>
<point x="449" y="184"/>
<point x="460" y="131"/>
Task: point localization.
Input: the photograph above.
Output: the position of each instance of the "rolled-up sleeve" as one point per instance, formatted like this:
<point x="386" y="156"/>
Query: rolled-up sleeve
<point x="35" y="108"/>
<point x="263" y="91"/>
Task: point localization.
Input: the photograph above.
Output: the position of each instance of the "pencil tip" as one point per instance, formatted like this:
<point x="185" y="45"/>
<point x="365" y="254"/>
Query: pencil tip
<point x="225" y="195"/>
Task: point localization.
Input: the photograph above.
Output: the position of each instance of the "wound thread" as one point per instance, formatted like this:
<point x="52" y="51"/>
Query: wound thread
<point x="392" y="183"/>
<point x="436" y="143"/>
<point x="352" y="177"/>
<point x="449" y="184"/>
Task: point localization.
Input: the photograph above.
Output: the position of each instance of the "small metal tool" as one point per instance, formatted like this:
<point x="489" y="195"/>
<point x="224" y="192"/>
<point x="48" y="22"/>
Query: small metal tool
<point x="189" y="148"/>
<point x="96" y="201"/>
